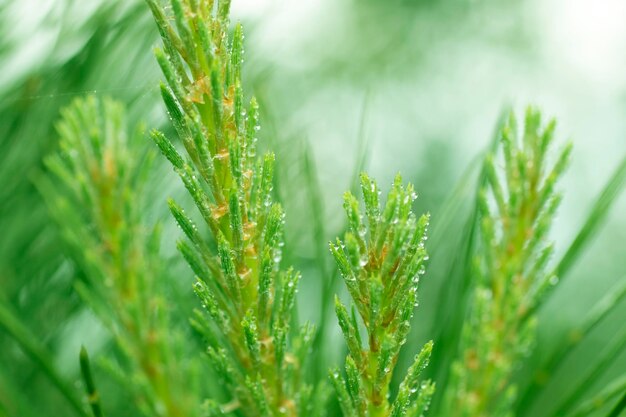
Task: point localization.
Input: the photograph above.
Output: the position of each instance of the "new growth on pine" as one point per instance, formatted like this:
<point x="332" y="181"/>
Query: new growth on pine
<point x="100" y="170"/>
<point x="511" y="270"/>
<point x="247" y="294"/>
<point x="381" y="259"/>
<point x="233" y="244"/>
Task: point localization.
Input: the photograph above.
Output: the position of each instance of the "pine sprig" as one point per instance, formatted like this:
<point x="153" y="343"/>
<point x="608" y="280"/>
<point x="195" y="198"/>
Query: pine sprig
<point x="381" y="262"/>
<point x="511" y="273"/>
<point x="93" y="396"/>
<point x="247" y="294"/>
<point x="100" y="170"/>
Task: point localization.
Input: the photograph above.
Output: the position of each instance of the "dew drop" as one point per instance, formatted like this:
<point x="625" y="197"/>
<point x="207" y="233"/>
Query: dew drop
<point x="277" y="257"/>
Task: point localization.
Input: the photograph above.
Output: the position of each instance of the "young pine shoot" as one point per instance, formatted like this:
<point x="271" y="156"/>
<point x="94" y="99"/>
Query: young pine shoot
<point x="511" y="273"/>
<point x="248" y="297"/>
<point x="100" y="171"/>
<point x="381" y="262"/>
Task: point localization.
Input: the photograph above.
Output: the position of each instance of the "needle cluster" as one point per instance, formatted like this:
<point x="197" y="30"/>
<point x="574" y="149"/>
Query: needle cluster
<point x="381" y="258"/>
<point x="247" y="295"/>
<point x="511" y="271"/>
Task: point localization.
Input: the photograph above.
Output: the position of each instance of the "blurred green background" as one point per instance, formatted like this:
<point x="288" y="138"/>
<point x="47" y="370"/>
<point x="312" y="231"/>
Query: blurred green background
<point x="415" y="86"/>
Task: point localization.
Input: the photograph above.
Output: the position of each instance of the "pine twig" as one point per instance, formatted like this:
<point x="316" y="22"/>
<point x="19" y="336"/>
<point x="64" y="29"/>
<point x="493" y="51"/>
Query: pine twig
<point x="248" y="296"/>
<point x="516" y="208"/>
<point x="381" y="264"/>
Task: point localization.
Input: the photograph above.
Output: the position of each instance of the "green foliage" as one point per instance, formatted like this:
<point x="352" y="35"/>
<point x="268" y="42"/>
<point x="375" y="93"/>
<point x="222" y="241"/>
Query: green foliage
<point x="381" y="264"/>
<point x="597" y="214"/>
<point x="100" y="188"/>
<point x="248" y="295"/>
<point x="511" y="272"/>
<point x="100" y="171"/>
<point x="575" y="337"/>
<point x="37" y="352"/>
<point x="93" y="396"/>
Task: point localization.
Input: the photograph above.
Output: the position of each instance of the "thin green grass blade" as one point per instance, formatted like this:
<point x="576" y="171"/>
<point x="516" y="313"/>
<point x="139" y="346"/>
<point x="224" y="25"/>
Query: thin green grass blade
<point x="599" y="401"/>
<point x="38" y="354"/>
<point x="319" y="228"/>
<point x="363" y="147"/>
<point x="597" y="216"/>
<point x="610" y="193"/>
<point x="13" y="401"/>
<point x="605" y="360"/>
<point x="327" y="275"/>
<point x="93" y="396"/>
<point x="600" y="310"/>
<point x="453" y="204"/>
<point x="361" y="164"/>
<point x="619" y="407"/>
<point x="450" y="321"/>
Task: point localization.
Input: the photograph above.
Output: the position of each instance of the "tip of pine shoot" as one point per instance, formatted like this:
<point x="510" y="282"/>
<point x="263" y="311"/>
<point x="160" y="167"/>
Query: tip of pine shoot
<point x="84" y="356"/>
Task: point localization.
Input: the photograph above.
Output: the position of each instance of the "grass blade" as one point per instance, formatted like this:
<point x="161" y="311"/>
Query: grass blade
<point x="610" y="193"/>
<point x="90" y="386"/>
<point x="457" y="291"/>
<point x="606" y="359"/>
<point x="619" y="407"/>
<point x="13" y="400"/>
<point x="362" y="150"/>
<point x="597" y="216"/>
<point x="320" y="246"/>
<point x="38" y="354"/>
<point x="601" y="310"/>
<point x="612" y="390"/>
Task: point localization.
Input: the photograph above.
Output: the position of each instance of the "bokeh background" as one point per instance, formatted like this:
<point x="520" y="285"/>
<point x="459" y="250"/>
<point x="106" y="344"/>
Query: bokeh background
<point x="415" y="86"/>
